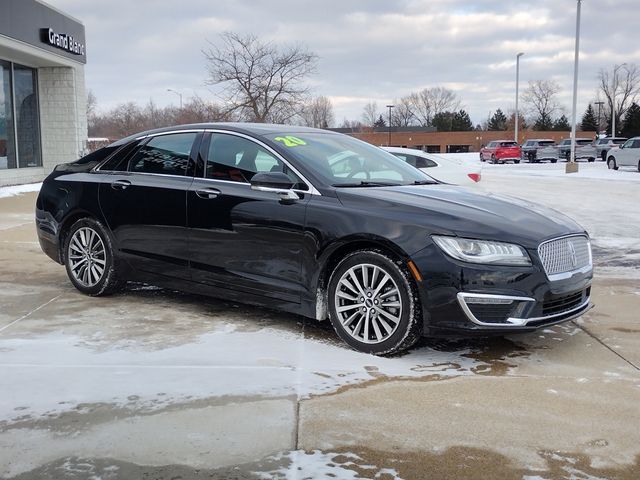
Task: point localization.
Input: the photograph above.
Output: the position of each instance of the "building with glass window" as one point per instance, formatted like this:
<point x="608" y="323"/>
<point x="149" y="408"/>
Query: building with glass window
<point x="43" y="118"/>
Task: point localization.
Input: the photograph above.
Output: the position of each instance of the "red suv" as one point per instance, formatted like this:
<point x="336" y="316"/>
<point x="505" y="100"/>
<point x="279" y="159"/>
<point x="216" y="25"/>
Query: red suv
<point x="501" y="151"/>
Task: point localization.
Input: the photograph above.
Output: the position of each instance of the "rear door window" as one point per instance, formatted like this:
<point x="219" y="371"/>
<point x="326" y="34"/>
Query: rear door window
<point x="164" y="155"/>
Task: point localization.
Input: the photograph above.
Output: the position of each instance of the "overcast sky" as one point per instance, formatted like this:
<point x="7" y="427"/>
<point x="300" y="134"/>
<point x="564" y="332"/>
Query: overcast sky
<point x="370" y="50"/>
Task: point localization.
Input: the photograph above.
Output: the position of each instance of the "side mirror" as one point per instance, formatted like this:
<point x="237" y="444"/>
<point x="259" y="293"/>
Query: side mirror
<point x="274" y="182"/>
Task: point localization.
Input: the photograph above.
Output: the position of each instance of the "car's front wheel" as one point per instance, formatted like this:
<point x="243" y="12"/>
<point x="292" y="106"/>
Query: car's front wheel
<point x="373" y="303"/>
<point x="611" y="163"/>
<point x="89" y="258"/>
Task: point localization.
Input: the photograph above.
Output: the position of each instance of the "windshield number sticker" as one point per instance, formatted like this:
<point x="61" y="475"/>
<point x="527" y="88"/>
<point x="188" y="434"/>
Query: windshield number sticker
<point x="290" y="141"/>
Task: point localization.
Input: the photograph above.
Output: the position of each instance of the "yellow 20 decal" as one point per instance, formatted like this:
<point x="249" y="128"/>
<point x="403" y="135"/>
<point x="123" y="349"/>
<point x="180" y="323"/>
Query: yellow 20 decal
<point x="290" y="141"/>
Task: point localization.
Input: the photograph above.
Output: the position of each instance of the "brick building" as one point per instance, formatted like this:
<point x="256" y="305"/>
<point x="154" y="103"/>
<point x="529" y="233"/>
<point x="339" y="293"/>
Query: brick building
<point x="445" y="142"/>
<point x="43" y="119"/>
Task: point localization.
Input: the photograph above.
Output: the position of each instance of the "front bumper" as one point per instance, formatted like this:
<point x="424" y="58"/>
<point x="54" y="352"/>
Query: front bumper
<point x="460" y="299"/>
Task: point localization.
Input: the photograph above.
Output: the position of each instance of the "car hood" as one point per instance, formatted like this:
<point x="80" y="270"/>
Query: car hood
<point x="453" y="210"/>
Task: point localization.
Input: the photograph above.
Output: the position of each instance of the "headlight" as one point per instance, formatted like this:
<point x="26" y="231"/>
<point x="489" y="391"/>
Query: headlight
<point x="483" y="251"/>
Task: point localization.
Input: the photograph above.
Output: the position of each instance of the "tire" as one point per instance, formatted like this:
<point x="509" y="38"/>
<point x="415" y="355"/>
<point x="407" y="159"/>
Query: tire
<point x="591" y="159"/>
<point x="554" y="160"/>
<point x="516" y="161"/>
<point x="481" y="158"/>
<point x="103" y="276"/>
<point x="639" y="165"/>
<point x="493" y="159"/>
<point x="358" y="281"/>
<point x="611" y="163"/>
<point x="532" y="158"/>
<point x="603" y="156"/>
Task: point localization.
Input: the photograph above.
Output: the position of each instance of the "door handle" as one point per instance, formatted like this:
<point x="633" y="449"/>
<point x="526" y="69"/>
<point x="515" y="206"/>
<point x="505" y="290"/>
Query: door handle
<point x="208" y="193"/>
<point x="120" y="184"/>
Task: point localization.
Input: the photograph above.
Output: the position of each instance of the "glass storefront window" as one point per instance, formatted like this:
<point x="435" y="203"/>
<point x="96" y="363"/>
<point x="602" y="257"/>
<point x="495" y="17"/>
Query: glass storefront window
<point x="7" y="141"/>
<point x="26" y="101"/>
<point x="19" y="123"/>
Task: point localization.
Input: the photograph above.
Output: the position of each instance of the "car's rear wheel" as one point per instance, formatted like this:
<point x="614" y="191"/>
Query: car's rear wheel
<point x="89" y="258"/>
<point x="516" y="161"/>
<point x="603" y="155"/>
<point x="373" y="303"/>
<point x="639" y="165"/>
<point x="554" y="160"/>
<point x="611" y="163"/>
<point x="591" y="159"/>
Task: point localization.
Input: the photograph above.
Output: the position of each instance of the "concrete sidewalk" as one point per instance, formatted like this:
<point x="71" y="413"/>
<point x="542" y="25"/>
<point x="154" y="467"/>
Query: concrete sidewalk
<point x="155" y="384"/>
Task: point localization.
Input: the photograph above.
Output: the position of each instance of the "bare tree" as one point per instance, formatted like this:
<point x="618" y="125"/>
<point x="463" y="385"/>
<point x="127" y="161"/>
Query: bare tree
<point x="624" y="80"/>
<point x="541" y="98"/>
<point x="429" y="102"/>
<point x="402" y="115"/>
<point x="318" y="113"/>
<point x="261" y="81"/>
<point x="370" y="114"/>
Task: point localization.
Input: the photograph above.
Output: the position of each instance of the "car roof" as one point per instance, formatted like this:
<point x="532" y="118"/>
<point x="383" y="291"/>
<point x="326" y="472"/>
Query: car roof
<point x="239" y="127"/>
<point x="540" y="140"/>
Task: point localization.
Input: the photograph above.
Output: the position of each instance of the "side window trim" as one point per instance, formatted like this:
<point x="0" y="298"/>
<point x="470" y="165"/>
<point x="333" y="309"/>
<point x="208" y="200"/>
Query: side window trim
<point x="312" y="189"/>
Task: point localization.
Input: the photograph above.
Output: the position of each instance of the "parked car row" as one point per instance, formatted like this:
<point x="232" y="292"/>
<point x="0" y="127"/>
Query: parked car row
<point x="545" y="149"/>
<point x="315" y="223"/>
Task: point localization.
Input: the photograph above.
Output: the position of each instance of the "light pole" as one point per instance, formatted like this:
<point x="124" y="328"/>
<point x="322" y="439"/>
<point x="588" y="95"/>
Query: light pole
<point x="177" y="93"/>
<point x="572" y="166"/>
<point x="517" y="86"/>
<point x="389" y="129"/>
<point x="613" y="98"/>
<point x="599" y="118"/>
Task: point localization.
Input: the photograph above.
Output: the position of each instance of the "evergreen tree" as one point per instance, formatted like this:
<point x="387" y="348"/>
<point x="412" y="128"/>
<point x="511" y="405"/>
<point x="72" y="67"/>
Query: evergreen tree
<point x="461" y="122"/>
<point x="589" y="120"/>
<point x="561" y="124"/>
<point x="380" y="122"/>
<point x="631" y="124"/>
<point x="498" y="121"/>
<point x="543" y="123"/>
<point x="443" y="121"/>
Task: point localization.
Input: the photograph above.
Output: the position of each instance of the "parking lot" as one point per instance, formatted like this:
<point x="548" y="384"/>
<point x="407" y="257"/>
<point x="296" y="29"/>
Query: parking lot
<point x="157" y="384"/>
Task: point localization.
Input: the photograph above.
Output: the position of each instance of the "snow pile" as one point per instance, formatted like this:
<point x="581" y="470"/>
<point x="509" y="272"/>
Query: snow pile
<point x="18" y="189"/>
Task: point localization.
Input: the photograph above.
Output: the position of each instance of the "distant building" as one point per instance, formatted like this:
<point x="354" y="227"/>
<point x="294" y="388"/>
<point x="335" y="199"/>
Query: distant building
<point x="43" y="118"/>
<point x="451" y="142"/>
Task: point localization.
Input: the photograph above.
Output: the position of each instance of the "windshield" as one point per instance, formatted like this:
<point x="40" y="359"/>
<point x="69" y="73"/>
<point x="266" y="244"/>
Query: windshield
<point x="343" y="161"/>
<point x="546" y="143"/>
<point x="508" y="144"/>
<point x="583" y="141"/>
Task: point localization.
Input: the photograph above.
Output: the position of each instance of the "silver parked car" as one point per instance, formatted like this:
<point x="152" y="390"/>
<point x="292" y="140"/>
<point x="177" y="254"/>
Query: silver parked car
<point x="603" y="145"/>
<point x="539" y="149"/>
<point x="584" y="149"/>
<point x="626" y="155"/>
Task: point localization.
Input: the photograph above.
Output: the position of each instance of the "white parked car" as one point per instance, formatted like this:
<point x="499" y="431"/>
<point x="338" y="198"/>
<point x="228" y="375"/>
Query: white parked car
<point x="443" y="169"/>
<point x="626" y="155"/>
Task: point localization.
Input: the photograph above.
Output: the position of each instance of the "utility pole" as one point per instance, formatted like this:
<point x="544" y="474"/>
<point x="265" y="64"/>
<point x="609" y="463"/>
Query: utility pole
<point x="517" y="86"/>
<point x="177" y="93"/>
<point x="389" y="129"/>
<point x="572" y="166"/>
<point x="599" y="118"/>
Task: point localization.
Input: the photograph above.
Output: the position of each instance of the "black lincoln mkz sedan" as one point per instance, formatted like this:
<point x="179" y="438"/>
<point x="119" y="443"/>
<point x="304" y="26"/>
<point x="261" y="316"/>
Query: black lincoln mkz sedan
<point x="316" y="223"/>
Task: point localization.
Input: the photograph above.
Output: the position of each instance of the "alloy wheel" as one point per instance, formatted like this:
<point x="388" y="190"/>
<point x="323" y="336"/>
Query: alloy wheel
<point x="87" y="257"/>
<point x="368" y="303"/>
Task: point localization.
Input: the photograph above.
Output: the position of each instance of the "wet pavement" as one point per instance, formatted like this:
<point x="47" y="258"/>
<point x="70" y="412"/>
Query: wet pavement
<point x="157" y="384"/>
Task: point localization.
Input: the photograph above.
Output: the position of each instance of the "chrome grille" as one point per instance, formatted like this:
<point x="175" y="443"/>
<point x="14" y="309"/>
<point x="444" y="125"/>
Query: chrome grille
<point x="563" y="255"/>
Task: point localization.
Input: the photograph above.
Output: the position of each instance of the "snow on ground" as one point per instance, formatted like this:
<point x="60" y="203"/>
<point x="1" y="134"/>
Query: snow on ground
<point x="316" y="464"/>
<point x="18" y="189"/>
<point x="219" y="363"/>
